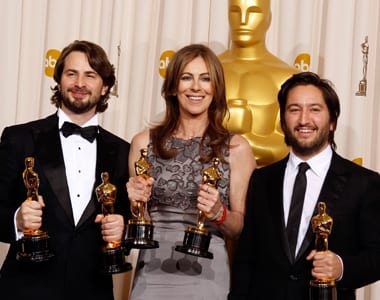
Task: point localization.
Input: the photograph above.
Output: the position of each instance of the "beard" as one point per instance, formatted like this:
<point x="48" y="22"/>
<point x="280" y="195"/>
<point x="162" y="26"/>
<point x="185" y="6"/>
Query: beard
<point x="310" y="147"/>
<point x="78" y="106"/>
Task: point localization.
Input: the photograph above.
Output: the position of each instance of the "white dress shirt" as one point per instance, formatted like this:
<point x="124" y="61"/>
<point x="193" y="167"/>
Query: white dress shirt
<point x="80" y="165"/>
<point x="319" y="166"/>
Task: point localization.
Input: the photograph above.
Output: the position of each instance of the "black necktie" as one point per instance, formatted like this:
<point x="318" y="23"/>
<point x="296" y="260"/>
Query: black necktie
<point x="296" y="205"/>
<point x="89" y="133"/>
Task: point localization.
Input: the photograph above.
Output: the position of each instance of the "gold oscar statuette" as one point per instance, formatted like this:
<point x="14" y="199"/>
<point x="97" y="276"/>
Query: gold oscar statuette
<point x="34" y="245"/>
<point x="139" y="228"/>
<point x="362" y="91"/>
<point x="322" y="289"/>
<point x="113" y="252"/>
<point x="197" y="238"/>
<point x="253" y="77"/>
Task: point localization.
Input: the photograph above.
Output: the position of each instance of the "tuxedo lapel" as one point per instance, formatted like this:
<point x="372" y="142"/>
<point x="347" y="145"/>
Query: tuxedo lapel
<point x="308" y="239"/>
<point x="334" y="184"/>
<point x="277" y="205"/>
<point x="49" y="152"/>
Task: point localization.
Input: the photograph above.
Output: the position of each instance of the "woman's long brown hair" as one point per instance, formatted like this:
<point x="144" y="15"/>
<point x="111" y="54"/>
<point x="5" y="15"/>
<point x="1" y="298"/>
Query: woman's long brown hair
<point x="216" y="135"/>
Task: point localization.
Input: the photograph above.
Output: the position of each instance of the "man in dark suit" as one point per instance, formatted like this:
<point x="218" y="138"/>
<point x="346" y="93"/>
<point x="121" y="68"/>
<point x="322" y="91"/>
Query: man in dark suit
<point x="265" y="266"/>
<point x="69" y="168"/>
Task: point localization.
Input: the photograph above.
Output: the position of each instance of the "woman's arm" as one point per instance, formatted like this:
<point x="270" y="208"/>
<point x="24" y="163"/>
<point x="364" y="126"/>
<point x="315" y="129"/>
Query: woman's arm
<point x="230" y="220"/>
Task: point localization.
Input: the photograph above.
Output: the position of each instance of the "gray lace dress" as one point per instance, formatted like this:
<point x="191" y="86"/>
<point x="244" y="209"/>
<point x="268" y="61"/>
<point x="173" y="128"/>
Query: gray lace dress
<point x="164" y="273"/>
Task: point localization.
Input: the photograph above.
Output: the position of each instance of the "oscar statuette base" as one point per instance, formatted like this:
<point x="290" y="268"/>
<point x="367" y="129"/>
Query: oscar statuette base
<point x="34" y="247"/>
<point x="322" y="290"/>
<point x="114" y="261"/>
<point x="140" y="235"/>
<point x="196" y="242"/>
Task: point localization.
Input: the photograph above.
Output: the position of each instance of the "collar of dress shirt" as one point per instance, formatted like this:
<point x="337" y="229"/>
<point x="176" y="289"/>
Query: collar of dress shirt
<point x="62" y="117"/>
<point x="318" y="163"/>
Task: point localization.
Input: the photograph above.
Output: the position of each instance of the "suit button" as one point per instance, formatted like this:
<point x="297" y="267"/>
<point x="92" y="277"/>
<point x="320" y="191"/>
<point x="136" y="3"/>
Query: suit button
<point x="293" y="277"/>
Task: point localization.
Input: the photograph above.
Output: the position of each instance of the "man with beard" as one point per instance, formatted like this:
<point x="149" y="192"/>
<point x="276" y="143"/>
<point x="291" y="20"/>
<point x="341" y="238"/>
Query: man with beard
<point x="70" y="152"/>
<point x="272" y="264"/>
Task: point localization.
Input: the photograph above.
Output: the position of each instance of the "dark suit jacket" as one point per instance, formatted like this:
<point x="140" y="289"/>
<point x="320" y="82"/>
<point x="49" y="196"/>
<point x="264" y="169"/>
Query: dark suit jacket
<point x="74" y="272"/>
<point x="264" y="269"/>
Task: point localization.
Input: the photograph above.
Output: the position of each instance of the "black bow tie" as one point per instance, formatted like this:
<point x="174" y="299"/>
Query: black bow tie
<point x="89" y="133"/>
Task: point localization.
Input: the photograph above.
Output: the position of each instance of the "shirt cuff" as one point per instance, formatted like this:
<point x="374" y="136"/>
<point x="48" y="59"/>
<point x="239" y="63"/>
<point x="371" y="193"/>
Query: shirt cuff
<point x="18" y="233"/>
<point x="341" y="263"/>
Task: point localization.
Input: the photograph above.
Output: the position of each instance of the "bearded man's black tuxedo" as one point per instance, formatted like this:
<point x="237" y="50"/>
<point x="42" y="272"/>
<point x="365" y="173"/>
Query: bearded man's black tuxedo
<point x="263" y="267"/>
<point x="74" y="272"/>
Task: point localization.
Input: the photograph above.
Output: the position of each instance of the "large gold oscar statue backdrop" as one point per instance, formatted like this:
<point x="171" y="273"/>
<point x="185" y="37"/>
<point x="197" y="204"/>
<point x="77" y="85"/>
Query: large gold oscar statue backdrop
<point x="253" y="79"/>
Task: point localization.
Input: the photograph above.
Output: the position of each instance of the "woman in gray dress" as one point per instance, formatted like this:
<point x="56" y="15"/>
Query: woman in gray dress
<point x="180" y="148"/>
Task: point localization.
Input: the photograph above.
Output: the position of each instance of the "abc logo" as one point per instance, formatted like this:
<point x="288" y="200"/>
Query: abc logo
<point x="164" y="61"/>
<point x="302" y="62"/>
<point x="50" y="61"/>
